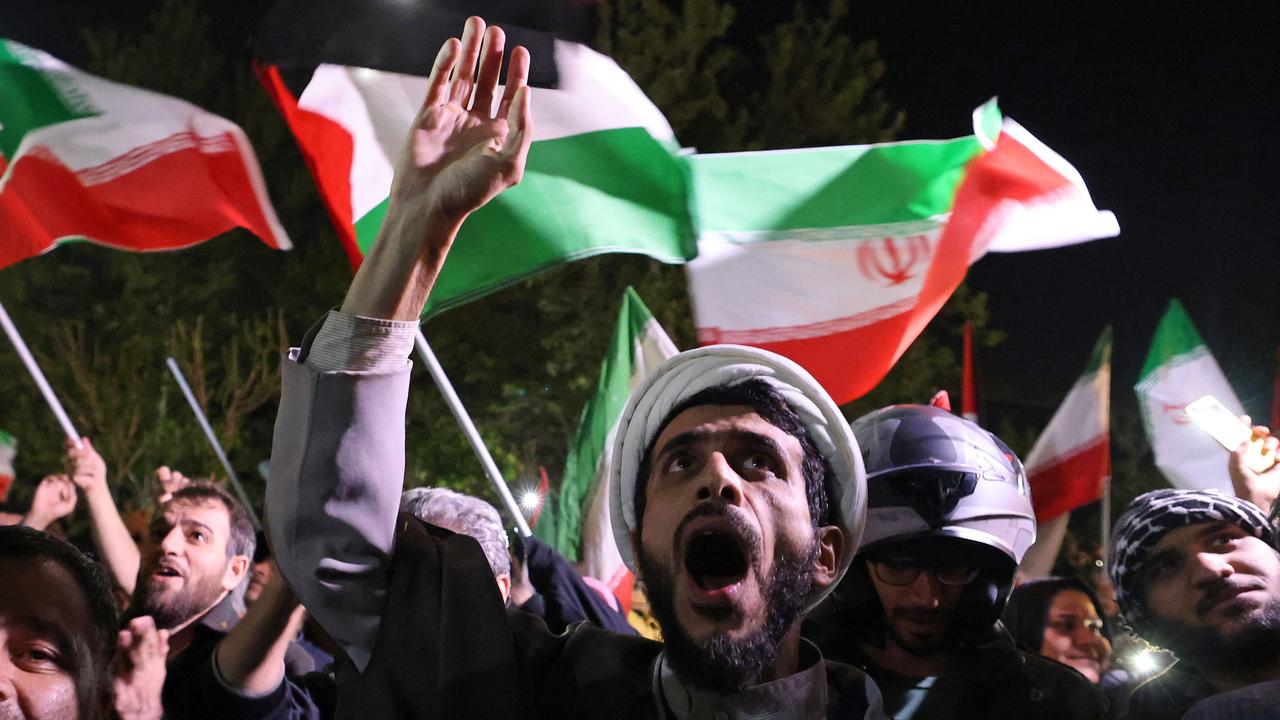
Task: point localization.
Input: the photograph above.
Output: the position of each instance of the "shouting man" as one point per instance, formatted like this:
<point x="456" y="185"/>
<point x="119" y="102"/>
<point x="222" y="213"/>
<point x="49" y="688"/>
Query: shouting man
<point x="737" y="490"/>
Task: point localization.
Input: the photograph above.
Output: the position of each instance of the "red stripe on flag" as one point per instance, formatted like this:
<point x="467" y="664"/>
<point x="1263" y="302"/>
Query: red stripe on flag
<point x="849" y="363"/>
<point x="180" y="198"/>
<point x="1072" y="481"/>
<point x="328" y="150"/>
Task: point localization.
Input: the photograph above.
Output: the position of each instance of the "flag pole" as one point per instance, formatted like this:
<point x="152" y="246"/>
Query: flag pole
<point x="469" y="429"/>
<point x="49" y="397"/>
<point x="1106" y="517"/>
<point x="213" y="441"/>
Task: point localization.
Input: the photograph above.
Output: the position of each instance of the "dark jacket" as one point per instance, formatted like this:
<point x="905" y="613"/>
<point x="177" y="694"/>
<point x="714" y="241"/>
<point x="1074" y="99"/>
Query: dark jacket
<point x="566" y="598"/>
<point x="1168" y="695"/>
<point x="1001" y="681"/>
<point x="448" y="649"/>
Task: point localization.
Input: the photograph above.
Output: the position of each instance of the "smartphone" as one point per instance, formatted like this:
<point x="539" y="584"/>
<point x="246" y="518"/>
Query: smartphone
<point x="1230" y="431"/>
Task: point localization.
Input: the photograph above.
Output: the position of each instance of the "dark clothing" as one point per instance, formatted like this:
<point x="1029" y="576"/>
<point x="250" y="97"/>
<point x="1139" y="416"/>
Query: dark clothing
<point x="192" y="690"/>
<point x="447" y="649"/>
<point x="996" y="680"/>
<point x="566" y="598"/>
<point x="1168" y="695"/>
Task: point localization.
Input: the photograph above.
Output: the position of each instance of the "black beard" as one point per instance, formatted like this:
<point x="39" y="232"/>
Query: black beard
<point x="190" y="601"/>
<point x="1251" y="648"/>
<point x="726" y="665"/>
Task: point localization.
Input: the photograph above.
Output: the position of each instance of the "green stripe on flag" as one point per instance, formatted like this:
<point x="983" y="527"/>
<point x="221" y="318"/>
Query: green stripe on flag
<point x="829" y="187"/>
<point x="1101" y="356"/>
<point x="1175" y="336"/>
<point x="563" y="530"/>
<point x="584" y="195"/>
<point x="30" y="99"/>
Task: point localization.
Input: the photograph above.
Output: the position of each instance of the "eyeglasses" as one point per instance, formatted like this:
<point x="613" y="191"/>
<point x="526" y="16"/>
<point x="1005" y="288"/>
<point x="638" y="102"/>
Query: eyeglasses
<point x="1068" y="624"/>
<point x="904" y="570"/>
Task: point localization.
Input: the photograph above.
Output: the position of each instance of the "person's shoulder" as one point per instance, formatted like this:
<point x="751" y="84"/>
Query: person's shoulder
<point x="1254" y="702"/>
<point x="1167" y="695"/>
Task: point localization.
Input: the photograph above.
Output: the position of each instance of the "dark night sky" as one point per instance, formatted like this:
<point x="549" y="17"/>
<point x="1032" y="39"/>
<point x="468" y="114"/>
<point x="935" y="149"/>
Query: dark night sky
<point x="1169" y="110"/>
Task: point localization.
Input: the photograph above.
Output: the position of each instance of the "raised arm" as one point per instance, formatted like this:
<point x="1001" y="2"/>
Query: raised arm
<point x="89" y="472"/>
<point x="337" y="461"/>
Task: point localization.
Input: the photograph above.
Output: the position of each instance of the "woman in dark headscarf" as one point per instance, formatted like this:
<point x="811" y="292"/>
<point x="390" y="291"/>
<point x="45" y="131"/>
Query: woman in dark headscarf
<point x="1060" y="618"/>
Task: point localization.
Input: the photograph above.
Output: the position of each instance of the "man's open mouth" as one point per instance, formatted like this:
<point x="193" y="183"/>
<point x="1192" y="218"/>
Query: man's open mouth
<point x="167" y="570"/>
<point x="717" y="558"/>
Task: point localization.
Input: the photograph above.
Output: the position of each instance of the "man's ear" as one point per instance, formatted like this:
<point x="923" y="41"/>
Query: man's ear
<point x="504" y="586"/>
<point x="237" y="568"/>
<point x="826" y="566"/>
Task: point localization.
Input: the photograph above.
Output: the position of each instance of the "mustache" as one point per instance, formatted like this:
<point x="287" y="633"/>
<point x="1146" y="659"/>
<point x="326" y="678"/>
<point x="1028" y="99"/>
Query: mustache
<point x="917" y="614"/>
<point x="1223" y="590"/>
<point x="732" y="516"/>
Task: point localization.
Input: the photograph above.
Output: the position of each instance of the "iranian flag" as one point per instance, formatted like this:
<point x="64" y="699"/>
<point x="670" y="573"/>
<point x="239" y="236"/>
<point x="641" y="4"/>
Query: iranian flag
<point x="838" y="257"/>
<point x="1072" y="457"/>
<point x="87" y="159"/>
<point x="603" y="173"/>
<point x="579" y="528"/>
<point x="1178" y="370"/>
<point x="8" y="450"/>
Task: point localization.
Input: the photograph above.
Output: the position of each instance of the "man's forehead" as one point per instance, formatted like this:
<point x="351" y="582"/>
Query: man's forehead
<point x="1189" y="534"/>
<point x="208" y="511"/>
<point x="721" y="421"/>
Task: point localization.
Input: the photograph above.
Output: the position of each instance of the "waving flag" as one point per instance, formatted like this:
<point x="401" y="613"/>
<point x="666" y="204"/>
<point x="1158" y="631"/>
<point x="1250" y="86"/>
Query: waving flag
<point x="602" y="175"/>
<point x="1178" y="370"/>
<point x="8" y="450"/>
<point x="581" y="528"/>
<point x="83" y="158"/>
<point x="838" y="257"/>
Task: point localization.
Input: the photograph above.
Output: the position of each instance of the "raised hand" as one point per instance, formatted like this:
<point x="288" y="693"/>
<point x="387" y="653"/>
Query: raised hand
<point x="1259" y="488"/>
<point x="85" y="466"/>
<point x="55" y="499"/>
<point x="169" y="482"/>
<point x="460" y="154"/>
<point x="140" y="670"/>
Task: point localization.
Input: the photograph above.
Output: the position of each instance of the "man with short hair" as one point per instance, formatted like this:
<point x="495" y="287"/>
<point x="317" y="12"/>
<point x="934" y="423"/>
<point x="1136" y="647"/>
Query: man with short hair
<point x="465" y="515"/>
<point x="57" y="630"/>
<point x="736" y="489"/>
<point x="949" y="517"/>
<point x="200" y="549"/>
<point x="1197" y="572"/>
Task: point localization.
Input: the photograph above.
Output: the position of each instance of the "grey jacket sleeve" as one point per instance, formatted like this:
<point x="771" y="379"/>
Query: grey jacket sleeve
<point x="337" y="469"/>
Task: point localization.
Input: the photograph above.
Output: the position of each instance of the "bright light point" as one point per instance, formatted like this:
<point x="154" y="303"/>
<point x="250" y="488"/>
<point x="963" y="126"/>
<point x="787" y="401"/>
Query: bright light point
<point x="530" y="500"/>
<point x="1143" y="662"/>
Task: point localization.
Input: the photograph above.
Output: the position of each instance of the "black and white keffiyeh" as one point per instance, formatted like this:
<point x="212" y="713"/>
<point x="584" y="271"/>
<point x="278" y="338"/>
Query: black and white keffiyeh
<point x="1150" y="516"/>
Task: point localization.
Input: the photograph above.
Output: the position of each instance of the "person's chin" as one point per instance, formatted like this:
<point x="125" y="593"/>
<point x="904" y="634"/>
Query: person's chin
<point x="1090" y="669"/>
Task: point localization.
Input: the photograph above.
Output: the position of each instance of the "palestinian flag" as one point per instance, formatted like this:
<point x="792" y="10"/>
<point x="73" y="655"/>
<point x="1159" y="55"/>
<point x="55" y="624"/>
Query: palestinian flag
<point x="838" y="257"/>
<point x="8" y="450"/>
<point x="603" y="174"/>
<point x="87" y="159"/>
<point x="579" y="528"/>
<point x="1072" y="457"/>
<point x="1178" y="370"/>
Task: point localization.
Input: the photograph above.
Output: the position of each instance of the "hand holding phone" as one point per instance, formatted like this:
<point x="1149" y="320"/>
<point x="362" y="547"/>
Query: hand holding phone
<point x="1231" y="432"/>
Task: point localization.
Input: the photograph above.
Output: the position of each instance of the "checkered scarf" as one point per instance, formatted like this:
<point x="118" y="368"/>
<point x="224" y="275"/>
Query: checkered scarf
<point x="1153" y="514"/>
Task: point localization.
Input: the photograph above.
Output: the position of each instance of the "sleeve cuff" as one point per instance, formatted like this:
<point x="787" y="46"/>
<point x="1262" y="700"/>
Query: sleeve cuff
<point x="360" y="344"/>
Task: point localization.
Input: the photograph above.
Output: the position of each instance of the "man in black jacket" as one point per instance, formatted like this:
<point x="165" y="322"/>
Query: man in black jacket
<point x="949" y="518"/>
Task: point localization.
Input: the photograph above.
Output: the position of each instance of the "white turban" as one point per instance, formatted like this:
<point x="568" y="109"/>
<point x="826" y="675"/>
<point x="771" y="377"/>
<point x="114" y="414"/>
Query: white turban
<point x="691" y="372"/>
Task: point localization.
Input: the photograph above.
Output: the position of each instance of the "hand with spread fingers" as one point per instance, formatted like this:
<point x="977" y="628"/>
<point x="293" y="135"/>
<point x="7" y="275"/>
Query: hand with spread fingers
<point x="461" y="152"/>
<point x="169" y="482"/>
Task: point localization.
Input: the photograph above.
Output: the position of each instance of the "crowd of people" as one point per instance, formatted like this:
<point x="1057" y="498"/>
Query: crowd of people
<point x="797" y="565"/>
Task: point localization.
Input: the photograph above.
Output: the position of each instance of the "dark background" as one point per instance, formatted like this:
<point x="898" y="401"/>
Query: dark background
<point x="1169" y="110"/>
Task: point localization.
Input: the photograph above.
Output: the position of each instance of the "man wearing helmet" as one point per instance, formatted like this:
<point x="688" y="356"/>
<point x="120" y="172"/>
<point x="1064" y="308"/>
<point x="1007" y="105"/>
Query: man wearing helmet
<point x="948" y="519"/>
